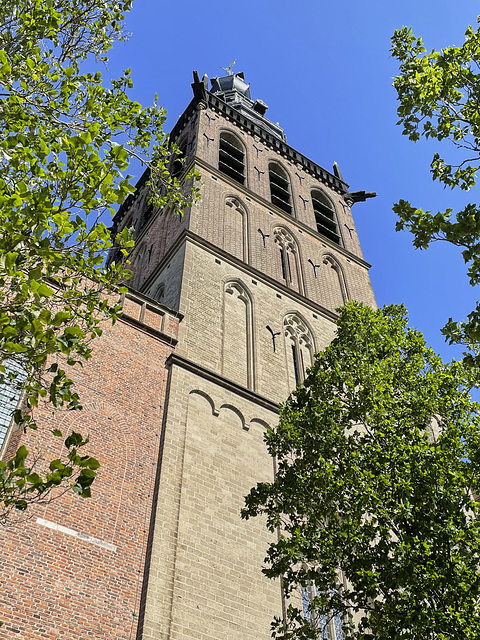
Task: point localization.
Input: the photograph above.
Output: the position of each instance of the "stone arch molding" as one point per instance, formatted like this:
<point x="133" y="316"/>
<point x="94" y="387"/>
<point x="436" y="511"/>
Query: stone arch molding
<point x="205" y="396"/>
<point x="261" y="423"/>
<point x="234" y="201"/>
<point x="237" y="287"/>
<point x="237" y="413"/>
<point x="217" y="407"/>
<point x="296" y="327"/>
<point x="330" y="260"/>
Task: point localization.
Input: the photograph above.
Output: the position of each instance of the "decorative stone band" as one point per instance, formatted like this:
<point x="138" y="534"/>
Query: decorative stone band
<point x="77" y="534"/>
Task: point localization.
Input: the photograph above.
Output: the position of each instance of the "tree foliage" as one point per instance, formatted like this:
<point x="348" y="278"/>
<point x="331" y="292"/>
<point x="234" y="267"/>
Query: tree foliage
<point x="439" y="98"/>
<point x="65" y="141"/>
<point x="375" y="495"/>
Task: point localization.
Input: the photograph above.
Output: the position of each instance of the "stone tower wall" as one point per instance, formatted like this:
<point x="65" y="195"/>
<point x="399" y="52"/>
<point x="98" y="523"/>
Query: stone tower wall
<point x="161" y="552"/>
<point x="233" y="364"/>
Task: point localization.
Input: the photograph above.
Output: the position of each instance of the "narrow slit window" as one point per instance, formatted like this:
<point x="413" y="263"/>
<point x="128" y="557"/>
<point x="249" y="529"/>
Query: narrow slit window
<point x="279" y="188"/>
<point x="325" y="217"/>
<point x="296" y="363"/>
<point x="231" y="159"/>
<point x="284" y="266"/>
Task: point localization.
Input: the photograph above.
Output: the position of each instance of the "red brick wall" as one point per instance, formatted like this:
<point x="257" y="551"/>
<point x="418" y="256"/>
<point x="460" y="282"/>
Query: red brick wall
<point x="85" y="581"/>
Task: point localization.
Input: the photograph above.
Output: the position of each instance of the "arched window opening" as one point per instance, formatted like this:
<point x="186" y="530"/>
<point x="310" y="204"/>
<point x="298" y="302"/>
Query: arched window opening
<point x="231" y="159"/>
<point x="148" y="212"/>
<point x="279" y="187"/>
<point x="137" y="268"/>
<point x="297" y="368"/>
<point x="300" y="348"/>
<point x="325" y="217"/>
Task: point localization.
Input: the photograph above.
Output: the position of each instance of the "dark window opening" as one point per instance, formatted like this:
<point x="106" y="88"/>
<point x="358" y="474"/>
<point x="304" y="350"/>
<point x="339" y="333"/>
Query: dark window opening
<point x="148" y="212"/>
<point x="286" y="268"/>
<point x="325" y="218"/>
<point x="279" y="188"/>
<point x="296" y="363"/>
<point x="283" y="259"/>
<point x="302" y="363"/>
<point x="231" y="159"/>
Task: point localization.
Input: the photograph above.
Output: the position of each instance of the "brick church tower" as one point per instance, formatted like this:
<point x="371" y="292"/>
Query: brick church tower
<point x="251" y="277"/>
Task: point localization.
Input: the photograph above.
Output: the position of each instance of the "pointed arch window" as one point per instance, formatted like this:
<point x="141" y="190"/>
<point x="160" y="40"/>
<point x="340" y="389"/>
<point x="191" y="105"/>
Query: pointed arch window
<point x="325" y="216"/>
<point x="299" y="348"/>
<point x="333" y="276"/>
<point x="231" y="158"/>
<point x="289" y="262"/>
<point x="280" y="187"/>
<point x="137" y="268"/>
<point x="235" y="232"/>
<point x="237" y="334"/>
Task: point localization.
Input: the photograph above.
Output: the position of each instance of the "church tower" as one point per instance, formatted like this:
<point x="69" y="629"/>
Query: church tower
<point x="257" y="268"/>
<point x="225" y="309"/>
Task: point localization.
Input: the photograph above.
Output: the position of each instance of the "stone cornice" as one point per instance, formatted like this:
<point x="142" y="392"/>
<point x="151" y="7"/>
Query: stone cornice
<point x="174" y="359"/>
<point x="147" y="329"/>
<point x="154" y="304"/>
<point x="141" y="304"/>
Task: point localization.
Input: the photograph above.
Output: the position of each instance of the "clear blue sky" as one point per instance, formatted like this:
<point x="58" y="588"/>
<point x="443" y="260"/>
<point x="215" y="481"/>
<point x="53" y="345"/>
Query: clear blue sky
<point x="325" y="71"/>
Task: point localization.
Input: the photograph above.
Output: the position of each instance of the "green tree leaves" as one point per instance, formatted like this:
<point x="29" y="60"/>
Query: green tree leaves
<point x="65" y="141"/>
<point x="378" y="457"/>
<point x="21" y="485"/>
<point x="439" y="98"/>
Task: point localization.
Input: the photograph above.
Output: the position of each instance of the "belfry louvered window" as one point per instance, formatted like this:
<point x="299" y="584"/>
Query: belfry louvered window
<point x="231" y="159"/>
<point x="279" y="187"/>
<point x="325" y="217"/>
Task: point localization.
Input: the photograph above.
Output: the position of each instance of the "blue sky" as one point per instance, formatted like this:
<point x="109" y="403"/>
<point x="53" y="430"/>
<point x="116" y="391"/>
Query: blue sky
<point x="325" y="71"/>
